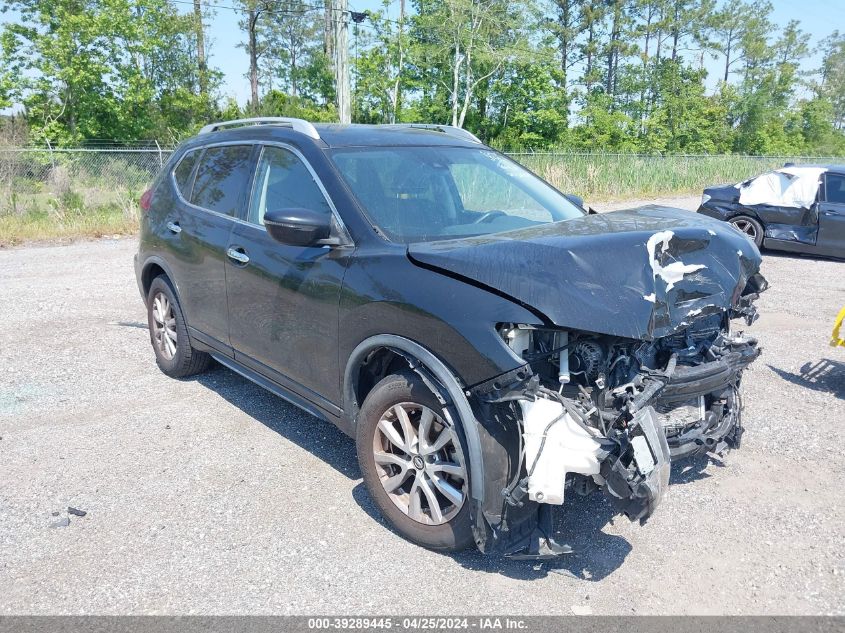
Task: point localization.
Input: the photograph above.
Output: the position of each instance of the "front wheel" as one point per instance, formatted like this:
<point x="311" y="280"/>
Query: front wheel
<point x="414" y="465"/>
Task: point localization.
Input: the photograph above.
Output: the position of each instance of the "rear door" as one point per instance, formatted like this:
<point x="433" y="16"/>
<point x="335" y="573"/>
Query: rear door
<point x="283" y="300"/>
<point x="200" y="234"/>
<point x="831" y="240"/>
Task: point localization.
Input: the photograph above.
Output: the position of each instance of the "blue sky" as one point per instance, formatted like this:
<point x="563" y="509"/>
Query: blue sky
<point x="818" y="18"/>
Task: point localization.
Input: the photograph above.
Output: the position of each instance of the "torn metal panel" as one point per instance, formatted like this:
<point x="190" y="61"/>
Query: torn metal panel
<point x="793" y="187"/>
<point x="636" y="273"/>
<point x="805" y="234"/>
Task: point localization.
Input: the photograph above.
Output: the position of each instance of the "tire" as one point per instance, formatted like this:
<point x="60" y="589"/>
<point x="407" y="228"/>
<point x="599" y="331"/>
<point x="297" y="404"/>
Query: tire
<point x="421" y="470"/>
<point x="176" y="358"/>
<point x="749" y="227"/>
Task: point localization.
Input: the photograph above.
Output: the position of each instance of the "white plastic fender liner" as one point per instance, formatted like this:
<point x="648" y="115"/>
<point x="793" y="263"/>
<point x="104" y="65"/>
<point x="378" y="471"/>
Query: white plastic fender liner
<point x="568" y="448"/>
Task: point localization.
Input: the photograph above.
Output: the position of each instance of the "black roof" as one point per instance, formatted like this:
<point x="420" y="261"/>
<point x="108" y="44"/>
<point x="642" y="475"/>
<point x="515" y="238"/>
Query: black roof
<point x="352" y="135"/>
<point x="356" y="135"/>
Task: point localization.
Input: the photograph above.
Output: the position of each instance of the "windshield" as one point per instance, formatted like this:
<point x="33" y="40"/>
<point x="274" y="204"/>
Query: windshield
<point x="421" y="194"/>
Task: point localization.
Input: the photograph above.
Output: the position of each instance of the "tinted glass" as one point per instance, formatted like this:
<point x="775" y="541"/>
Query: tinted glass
<point x="429" y="193"/>
<point x="221" y="178"/>
<point x="282" y="181"/>
<point x="835" y="188"/>
<point x="183" y="172"/>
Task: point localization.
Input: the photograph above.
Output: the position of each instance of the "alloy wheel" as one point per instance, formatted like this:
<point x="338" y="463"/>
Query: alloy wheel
<point x="420" y="463"/>
<point x="746" y="227"/>
<point x="164" y="326"/>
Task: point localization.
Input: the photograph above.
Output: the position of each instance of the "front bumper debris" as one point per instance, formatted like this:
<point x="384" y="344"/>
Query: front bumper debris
<point x="637" y="479"/>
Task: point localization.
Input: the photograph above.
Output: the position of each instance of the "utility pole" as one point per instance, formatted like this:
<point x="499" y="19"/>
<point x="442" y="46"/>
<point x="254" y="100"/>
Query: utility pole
<point x="252" y="28"/>
<point x="328" y="33"/>
<point x="341" y="65"/>
<point x="203" y="68"/>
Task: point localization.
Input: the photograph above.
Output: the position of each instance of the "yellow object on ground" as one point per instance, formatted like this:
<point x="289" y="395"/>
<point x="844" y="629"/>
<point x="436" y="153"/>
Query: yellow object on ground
<point x="837" y="336"/>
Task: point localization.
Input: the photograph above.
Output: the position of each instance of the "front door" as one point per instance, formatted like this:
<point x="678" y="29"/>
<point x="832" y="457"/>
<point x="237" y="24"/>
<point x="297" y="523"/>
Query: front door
<point x="831" y="240"/>
<point x="283" y="300"/>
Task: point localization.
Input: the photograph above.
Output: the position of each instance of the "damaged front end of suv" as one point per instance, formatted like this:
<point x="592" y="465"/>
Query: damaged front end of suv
<point x="612" y="387"/>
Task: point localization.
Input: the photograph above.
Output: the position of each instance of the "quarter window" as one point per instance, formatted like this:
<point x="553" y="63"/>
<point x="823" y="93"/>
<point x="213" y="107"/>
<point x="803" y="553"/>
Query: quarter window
<point x="221" y="178"/>
<point x="183" y="171"/>
<point x="282" y="181"/>
<point x="835" y="188"/>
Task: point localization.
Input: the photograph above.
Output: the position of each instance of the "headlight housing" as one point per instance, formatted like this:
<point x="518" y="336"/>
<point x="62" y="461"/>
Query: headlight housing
<point x="705" y="198"/>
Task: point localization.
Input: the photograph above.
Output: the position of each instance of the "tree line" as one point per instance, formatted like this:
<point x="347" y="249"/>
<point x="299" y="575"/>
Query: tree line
<point x="621" y="75"/>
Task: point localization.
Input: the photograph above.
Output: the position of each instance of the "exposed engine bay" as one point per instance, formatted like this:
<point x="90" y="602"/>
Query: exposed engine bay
<point x="599" y="411"/>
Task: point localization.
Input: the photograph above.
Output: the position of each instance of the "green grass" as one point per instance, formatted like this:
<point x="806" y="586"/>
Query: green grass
<point x="40" y="226"/>
<point x="72" y="215"/>
<point x="605" y="177"/>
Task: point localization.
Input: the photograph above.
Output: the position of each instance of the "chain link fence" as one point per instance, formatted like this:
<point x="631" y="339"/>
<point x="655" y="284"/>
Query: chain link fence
<point x="43" y="180"/>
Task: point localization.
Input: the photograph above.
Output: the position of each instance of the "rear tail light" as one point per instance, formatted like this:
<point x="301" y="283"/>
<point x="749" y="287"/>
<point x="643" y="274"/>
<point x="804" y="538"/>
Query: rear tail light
<point x="147" y="200"/>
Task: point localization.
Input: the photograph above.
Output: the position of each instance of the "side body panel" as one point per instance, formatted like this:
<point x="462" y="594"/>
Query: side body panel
<point x="384" y="293"/>
<point x="831" y="242"/>
<point x="283" y="308"/>
<point x="192" y="242"/>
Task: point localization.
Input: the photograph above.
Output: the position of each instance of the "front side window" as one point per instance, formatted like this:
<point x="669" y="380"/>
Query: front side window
<point x="835" y="188"/>
<point x="282" y="181"/>
<point x="417" y="194"/>
<point x="221" y="178"/>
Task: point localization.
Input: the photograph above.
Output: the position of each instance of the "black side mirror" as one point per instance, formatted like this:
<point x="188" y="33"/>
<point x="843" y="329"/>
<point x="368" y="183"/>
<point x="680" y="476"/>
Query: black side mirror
<point x="578" y="201"/>
<point x="298" y="227"/>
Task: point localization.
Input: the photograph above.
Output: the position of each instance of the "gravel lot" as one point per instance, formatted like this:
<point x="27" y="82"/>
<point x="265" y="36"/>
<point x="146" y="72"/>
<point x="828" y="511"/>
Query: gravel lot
<point x="212" y="496"/>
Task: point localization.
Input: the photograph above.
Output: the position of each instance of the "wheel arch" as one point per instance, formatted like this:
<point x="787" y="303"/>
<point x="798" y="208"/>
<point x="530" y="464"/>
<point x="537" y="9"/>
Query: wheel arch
<point x="154" y="267"/>
<point x="390" y="351"/>
<point x="747" y="212"/>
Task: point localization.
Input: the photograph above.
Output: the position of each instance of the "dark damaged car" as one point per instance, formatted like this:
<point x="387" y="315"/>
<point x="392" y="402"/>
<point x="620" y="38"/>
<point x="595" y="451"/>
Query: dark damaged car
<point x="798" y="209"/>
<point x="491" y="346"/>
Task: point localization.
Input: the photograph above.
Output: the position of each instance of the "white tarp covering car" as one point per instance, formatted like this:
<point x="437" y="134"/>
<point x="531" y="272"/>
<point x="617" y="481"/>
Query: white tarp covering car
<point x="795" y="187"/>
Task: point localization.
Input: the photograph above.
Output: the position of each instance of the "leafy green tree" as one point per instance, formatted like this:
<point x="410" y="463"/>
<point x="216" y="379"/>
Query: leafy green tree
<point x="468" y="41"/>
<point x="831" y="87"/>
<point x="602" y="128"/>
<point x="533" y="107"/>
<point x="87" y="69"/>
<point x="277" y="103"/>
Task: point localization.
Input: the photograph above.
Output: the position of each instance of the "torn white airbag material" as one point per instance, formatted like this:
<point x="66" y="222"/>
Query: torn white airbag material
<point x="671" y="273"/>
<point x="568" y="448"/>
<point x="794" y="187"/>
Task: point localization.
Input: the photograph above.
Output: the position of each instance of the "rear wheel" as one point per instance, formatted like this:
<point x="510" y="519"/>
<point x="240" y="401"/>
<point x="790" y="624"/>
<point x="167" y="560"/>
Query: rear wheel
<point x="752" y="229"/>
<point x="413" y="463"/>
<point x="169" y="333"/>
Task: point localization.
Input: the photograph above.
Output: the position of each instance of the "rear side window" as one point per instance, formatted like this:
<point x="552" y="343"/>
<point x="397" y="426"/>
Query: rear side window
<point x="835" y="188"/>
<point x="221" y="178"/>
<point x="183" y="171"/>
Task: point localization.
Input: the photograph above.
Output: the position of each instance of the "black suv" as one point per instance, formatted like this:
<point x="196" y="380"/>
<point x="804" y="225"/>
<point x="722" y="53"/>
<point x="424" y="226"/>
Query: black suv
<point x="489" y="343"/>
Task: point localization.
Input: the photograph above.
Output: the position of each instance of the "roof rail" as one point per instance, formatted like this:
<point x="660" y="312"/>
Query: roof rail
<point x="298" y="125"/>
<point x="451" y="130"/>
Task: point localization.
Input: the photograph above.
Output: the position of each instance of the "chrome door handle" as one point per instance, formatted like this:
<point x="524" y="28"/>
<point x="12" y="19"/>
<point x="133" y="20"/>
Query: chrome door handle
<point x="174" y="227"/>
<point x="237" y="255"/>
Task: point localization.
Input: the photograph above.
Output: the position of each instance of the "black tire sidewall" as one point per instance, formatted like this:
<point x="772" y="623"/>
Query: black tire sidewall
<point x="455" y="535"/>
<point x="182" y="357"/>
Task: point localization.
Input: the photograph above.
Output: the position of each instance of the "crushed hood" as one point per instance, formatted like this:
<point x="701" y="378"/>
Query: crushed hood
<point x="641" y="273"/>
